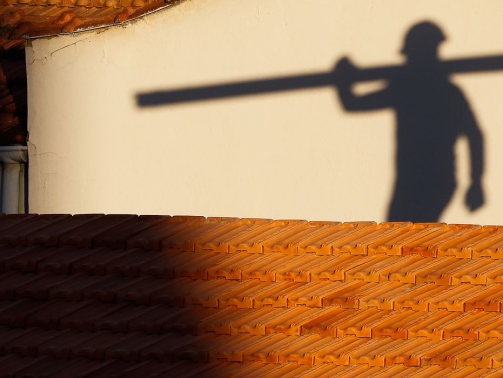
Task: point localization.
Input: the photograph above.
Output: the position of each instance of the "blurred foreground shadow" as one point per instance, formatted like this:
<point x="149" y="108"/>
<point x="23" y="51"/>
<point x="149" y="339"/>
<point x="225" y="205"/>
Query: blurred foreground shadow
<point x="432" y="113"/>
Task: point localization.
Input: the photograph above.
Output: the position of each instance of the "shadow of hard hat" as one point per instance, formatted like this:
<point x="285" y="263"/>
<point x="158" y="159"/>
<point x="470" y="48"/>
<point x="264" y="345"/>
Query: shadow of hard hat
<point x="424" y="35"/>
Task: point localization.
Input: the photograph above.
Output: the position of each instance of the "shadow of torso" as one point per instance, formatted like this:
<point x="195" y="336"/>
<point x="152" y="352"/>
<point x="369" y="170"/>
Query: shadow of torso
<point x="432" y="113"/>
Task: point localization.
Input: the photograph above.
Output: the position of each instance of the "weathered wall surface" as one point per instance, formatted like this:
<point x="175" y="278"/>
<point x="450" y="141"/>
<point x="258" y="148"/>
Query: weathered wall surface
<point x="295" y="154"/>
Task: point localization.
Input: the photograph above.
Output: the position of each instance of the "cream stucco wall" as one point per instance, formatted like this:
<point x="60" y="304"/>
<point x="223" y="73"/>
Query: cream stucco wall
<point x="296" y="154"/>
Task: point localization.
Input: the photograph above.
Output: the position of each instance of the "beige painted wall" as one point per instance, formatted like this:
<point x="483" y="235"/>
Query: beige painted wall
<point x="289" y="155"/>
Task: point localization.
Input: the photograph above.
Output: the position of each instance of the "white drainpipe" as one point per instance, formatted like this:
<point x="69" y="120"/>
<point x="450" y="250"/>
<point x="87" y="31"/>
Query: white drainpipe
<point x="13" y="170"/>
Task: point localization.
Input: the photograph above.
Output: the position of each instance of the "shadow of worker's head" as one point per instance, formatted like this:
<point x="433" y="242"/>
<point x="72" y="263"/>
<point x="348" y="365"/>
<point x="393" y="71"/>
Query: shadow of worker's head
<point x="422" y="41"/>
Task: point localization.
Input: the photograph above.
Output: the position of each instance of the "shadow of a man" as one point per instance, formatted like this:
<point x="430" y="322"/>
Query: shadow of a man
<point x="432" y="113"/>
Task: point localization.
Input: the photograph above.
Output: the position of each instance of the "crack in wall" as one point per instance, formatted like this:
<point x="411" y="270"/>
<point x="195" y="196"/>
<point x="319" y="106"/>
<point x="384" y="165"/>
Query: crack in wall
<point x="71" y="44"/>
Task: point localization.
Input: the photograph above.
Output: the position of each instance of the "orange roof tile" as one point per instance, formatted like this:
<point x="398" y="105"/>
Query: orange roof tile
<point x="21" y="19"/>
<point x="98" y="295"/>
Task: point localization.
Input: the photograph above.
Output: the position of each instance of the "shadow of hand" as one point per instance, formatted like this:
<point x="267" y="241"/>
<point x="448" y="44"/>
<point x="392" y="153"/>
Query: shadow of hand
<point x="344" y="71"/>
<point x="474" y="196"/>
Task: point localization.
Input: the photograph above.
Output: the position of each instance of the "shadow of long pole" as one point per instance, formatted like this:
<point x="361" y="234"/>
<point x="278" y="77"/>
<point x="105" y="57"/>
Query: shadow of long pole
<point x="299" y="82"/>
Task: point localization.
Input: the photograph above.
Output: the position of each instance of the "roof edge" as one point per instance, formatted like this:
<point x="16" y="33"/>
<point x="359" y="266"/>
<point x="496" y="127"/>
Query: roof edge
<point x="21" y="22"/>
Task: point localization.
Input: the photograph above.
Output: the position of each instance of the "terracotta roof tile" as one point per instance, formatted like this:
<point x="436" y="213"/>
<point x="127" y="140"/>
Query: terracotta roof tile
<point x="36" y="18"/>
<point x="49" y="236"/>
<point x="94" y="295"/>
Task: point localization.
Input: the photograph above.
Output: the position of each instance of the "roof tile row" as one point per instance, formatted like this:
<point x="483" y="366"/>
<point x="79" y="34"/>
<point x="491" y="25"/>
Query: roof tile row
<point x="241" y="266"/>
<point x="15" y="365"/>
<point x="231" y="235"/>
<point x="274" y="348"/>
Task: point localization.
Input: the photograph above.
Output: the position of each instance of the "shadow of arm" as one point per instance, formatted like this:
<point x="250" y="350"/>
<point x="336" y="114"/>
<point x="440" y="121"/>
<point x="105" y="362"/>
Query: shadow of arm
<point x="475" y="195"/>
<point x="346" y="74"/>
